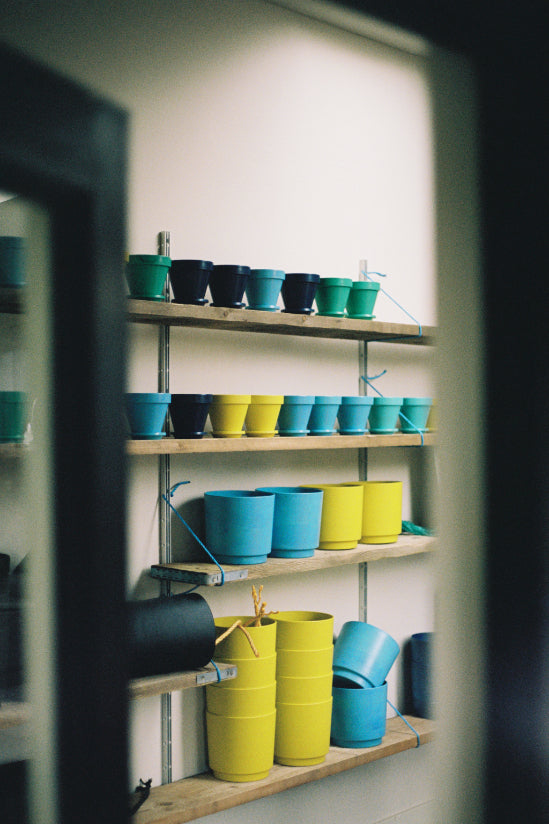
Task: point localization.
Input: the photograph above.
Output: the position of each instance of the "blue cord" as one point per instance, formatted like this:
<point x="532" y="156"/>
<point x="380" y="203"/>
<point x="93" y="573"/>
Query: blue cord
<point x="367" y="275"/>
<point x="371" y="385"/>
<point x="212" y="662"/>
<point x="406" y="722"/>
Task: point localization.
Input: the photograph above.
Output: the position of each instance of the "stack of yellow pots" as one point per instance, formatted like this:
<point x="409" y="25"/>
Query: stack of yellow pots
<point x="241" y="713"/>
<point x="304" y="652"/>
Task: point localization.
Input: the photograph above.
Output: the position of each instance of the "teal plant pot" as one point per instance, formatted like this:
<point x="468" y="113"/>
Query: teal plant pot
<point x="331" y="296"/>
<point x="239" y="525"/>
<point x="353" y="414"/>
<point x="361" y="300"/>
<point x="364" y="654"/>
<point x="12" y="261"/>
<point x="293" y="418"/>
<point x="414" y="413"/>
<point x="297" y="517"/>
<point x="324" y="414"/>
<point x="263" y="289"/>
<point x="359" y="716"/>
<point x="146" y="413"/>
<point x="12" y="416"/>
<point x="383" y="416"/>
<point x="146" y="276"/>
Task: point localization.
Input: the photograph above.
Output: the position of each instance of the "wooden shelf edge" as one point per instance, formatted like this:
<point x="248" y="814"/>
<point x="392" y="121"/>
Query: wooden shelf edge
<point x="202" y="795"/>
<point x="13" y="713"/>
<point x="208" y="574"/>
<point x="161" y="684"/>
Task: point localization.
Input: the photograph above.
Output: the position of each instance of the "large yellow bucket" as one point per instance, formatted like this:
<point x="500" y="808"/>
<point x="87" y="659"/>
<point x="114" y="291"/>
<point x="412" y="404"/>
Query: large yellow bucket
<point x="236" y="645"/>
<point x="250" y="672"/>
<point x="302" y="733"/>
<point x="382" y="512"/>
<point x="302" y="629"/>
<point x="304" y="689"/>
<point x="241" y="702"/>
<point x="341" y="522"/>
<point x="240" y="749"/>
<point x="295" y="663"/>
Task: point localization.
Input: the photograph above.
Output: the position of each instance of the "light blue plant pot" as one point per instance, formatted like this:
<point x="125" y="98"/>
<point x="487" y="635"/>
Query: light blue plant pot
<point x="359" y="716"/>
<point x="383" y="416"/>
<point x="414" y="413"/>
<point x="146" y="413"/>
<point x="263" y="289"/>
<point x="324" y="414"/>
<point x="239" y="525"/>
<point x="353" y="414"/>
<point x="364" y="654"/>
<point x="293" y="418"/>
<point x="297" y="517"/>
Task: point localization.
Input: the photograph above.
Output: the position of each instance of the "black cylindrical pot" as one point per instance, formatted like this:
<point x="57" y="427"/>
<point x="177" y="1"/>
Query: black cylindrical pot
<point x="189" y="279"/>
<point x="188" y="414"/>
<point x="169" y="634"/>
<point x="227" y="285"/>
<point x="298" y="292"/>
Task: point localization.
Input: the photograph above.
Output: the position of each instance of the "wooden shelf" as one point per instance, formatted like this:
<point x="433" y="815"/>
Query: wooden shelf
<point x="278" y="323"/>
<point x="174" y="446"/>
<point x="202" y="795"/>
<point x="13" y="450"/>
<point x="13" y="713"/>
<point x="210" y="575"/>
<point x="160" y="684"/>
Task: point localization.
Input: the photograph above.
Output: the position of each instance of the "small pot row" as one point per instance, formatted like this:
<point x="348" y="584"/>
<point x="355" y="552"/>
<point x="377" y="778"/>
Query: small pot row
<point x="263" y="416"/>
<point x="334" y="296"/>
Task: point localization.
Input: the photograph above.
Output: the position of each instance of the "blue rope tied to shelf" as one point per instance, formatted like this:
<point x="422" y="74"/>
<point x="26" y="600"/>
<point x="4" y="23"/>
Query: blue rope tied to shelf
<point x="212" y="662"/>
<point x="368" y="275"/>
<point x="368" y="380"/>
<point x="406" y="722"/>
<point x="195" y="536"/>
<point x="414" y="529"/>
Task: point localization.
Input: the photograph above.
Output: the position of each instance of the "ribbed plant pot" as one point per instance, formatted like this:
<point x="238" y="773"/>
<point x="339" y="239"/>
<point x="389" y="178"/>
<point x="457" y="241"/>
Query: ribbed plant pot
<point x="146" y="413"/>
<point x="353" y="414"/>
<point x="239" y="525"/>
<point x="341" y="522"/>
<point x="263" y="289"/>
<point x="361" y="299"/>
<point x="12" y="416"/>
<point x="240" y="748"/>
<point x="12" y="261"/>
<point x="323" y="415"/>
<point x="302" y="733"/>
<point x="189" y="414"/>
<point x="383" y="417"/>
<point x="331" y="296"/>
<point x="227" y="285"/>
<point x="294" y="415"/>
<point x="296" y="524"/>
<point x="189" y="280"/>
<point x="227" y="415"/>
<point x="146" y="276"/>
<point x="298" y="292"/>
<point x="414" y="414"/>
<point x="359" y="716"/>
<point x="262" y="415"/>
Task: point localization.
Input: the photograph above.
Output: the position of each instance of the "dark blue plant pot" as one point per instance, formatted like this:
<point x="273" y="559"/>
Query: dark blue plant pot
<point x="353" y="414"/>
<point x="421" y="673"/>
<point x="190" y="279"/>
<point x="298" y="292"/>
<point x="188" y="414"/>
<point x="324" y="414"/>
<point x="227" y="285"/>
<point x="239" y="525"/>
<point x="294" y="415"/>
<point x="359" y="716"/>
<point x="146" y="413"/>
<point x="12" y="262"/>
<point x="296" y="525"/>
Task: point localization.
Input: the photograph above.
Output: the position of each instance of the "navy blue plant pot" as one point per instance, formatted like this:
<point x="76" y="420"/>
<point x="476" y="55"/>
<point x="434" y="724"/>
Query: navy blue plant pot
<point x="421" y="644"/>
<point x="189" y="414"/>
<point x="299" y="291"/>
<point x="227" y="285"/>
<point x="189" y="280"/>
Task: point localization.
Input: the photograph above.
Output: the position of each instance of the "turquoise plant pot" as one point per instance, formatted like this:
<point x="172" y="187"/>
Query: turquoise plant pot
<point x="361" y="299"/>
<point x="414" y="413"/>
<point x="146" y="413"/>
<point x="296" y="525"/>
<point x="383" y="416"/>
<point x="239" y="525"/>
<point x="359" y="716"/>
<point x="263" y="289"/>
<point x="12" y="262"/>
<point x="324" y="414"/>
<point x="12" y="416"/>
<point x="353" y="414"/>
<point x="146" y="276"/>
<point x="294" y="414"/>
<point x="364" y="654"/>
<point x="331" y="296"/>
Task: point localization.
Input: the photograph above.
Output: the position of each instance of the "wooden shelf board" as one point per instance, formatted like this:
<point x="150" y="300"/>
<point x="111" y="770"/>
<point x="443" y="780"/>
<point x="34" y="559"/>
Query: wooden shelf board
<point x="279" y="323"/>
<point x="175" y="446"/>
<point x="202" y="795"/>
<point x="13" y="450"/>
<point x="209" y="574"/>
<point x="13" y="713"/>
<point x="160" y="684"/>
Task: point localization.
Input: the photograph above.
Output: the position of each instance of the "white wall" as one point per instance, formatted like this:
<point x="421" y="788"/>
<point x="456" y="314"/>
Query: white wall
<point x="262" y="137"/>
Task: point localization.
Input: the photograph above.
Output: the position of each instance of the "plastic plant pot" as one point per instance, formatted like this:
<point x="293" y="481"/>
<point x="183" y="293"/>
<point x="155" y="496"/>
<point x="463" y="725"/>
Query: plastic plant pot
<point x="227" y="415"/>
<point x="324" y="414"/>
<point x="302" y="733"/>
<point x="241" y="702"/>
<point x="383" y="416"/>
<point x="239" y="525"/>
<point x="304" y="689"/>
<point x="12" y="261"/>
<point x="294" y="415"/>
<point x="414" y="414"/>
<point x="298" y="292"/>
<point x="296" y="525"/>
<point x="263" y="289"/>
<point x="12" y="416"/>
<point x="363" y="654"/>
<point x="302" y="629"/>
<point x="359" y="716"/>
<point x="189" y="280"/>
<point x="381" y="512"/>
<point x="341" y="523"/>
<point x="146" y="413"/>
<point x="227" y="285"/>
<point x="361" y="300"/>
<point x="240" y="748"/>
<point x="146" y="276"/>
<point x="262" y="415"/>
<point x="421" y="648"/>
<point x="353" y="414"/>
<point x="251" y="672"/>
<point x="236" y="644"/>
<point x="295" y="663"/>
<point x="331" y="296"/>
<point x="188" y="414"/>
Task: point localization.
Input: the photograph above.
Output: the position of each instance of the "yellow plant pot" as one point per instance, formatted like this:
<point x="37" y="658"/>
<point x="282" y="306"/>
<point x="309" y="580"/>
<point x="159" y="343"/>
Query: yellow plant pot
<point x="262" y="415"/>
<point x="236" y="644"/>
<point x="240" y="749"/>
<point x="303" y="690"/>
<point x="341" y="523"/>
<point x="250" y="672"/>
<point x="302" y="733"/>
<point x="295" y="663"/>
<point x="382" y="512"/>
<point x="227" y="414"/>
<point x="304" y="630"/>
<point x="241" y="702"/>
